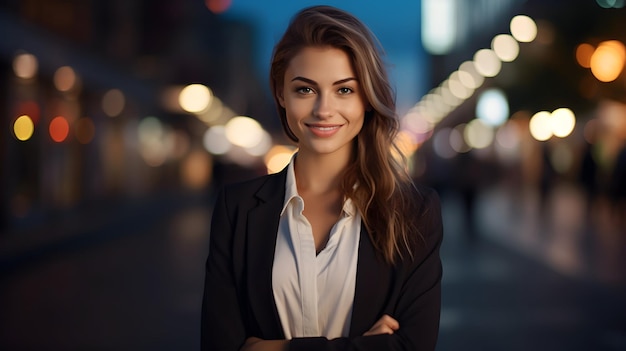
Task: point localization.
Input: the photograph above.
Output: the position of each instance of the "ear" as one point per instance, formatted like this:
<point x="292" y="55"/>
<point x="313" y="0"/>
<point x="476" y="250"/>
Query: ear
<point x="280" y="97"/>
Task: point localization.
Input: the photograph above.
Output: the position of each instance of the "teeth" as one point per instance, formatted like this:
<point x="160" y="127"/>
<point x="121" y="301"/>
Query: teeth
<point x="326" y="128"/>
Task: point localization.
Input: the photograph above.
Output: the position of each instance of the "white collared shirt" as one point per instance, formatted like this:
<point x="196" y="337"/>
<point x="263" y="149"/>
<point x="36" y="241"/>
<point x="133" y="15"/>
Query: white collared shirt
<point x="314" y="294"/>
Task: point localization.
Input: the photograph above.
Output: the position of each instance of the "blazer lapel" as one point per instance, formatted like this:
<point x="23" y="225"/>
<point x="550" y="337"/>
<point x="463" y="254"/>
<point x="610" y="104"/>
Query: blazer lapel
<point x="262" y="228"/>
<point x="373" y="282"/>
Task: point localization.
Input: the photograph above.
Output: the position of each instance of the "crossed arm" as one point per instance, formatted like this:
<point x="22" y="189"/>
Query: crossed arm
<point x="385" y="325"/>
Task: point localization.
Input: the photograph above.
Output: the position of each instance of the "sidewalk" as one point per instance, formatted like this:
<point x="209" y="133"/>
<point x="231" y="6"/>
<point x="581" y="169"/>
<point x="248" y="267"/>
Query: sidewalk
<point x="519" y="287"/>
<point x="140" y="288"/>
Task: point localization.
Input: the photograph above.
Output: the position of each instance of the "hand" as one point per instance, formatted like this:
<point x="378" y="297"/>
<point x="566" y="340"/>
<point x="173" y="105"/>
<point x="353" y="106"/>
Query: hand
<point x="385" y="325"/>
<point x="257" y="344"/>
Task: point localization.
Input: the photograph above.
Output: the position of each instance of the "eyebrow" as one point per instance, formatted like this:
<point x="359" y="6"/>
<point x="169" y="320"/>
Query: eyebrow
<point x="312" y="82"/>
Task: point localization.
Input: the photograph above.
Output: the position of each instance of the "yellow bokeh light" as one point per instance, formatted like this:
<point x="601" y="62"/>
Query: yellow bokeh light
<point x="540" y="126"/>
<point x="65" y="79"/>
<point x="563" y="122"/>
<point x="262" y="146"/>
<point x="25" y="66"/>
<point x="505" y="47"/>
<point x="478" y="135"/>
<point x="113" y="102"/>
<point x="468" y="75"/>
<point x="458" y="89"/>
<point x="607" y="60"/>
<point x="406" y="143"/>
<point x="584" y="52"/>
<point x="278" y="157"/>
<point x="195" y="98"/>
<point x="244" y="131"/>
<point x="23" y="128"/>
<point x="487" y="63"/>
<point x="523" y="28"/>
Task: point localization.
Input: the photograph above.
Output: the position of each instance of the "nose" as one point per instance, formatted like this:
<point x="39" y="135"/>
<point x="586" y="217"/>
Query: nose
<point x="324" y="107"/>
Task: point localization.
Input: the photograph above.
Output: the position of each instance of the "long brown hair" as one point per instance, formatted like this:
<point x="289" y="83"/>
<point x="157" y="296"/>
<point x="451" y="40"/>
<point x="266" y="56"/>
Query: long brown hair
<point x="384" y="192"/>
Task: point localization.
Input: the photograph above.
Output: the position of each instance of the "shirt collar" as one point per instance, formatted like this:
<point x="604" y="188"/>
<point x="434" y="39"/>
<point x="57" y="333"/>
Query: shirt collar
<point x="291" y="191"/>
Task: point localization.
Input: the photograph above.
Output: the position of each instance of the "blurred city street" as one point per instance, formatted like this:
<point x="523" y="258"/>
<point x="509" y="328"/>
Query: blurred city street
<point x="140" y="288"/>
<point x="121" y="118"/>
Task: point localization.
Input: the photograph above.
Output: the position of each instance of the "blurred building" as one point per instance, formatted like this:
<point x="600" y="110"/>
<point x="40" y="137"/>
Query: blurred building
<point x="90" y="103"/>
<point x="565" y="56"/>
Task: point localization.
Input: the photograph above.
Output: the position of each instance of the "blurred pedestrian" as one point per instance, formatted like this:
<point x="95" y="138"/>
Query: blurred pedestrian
<point x="339" y="250"/>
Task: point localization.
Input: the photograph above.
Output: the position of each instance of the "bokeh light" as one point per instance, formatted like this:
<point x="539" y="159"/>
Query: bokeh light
<point x="492" y="107"/>
<point x="478" y="135"/>
<point x="607" y="4"/>
<point x="458" y="89"/>
<point x="155" y="142"/>
<point x="84" y="130"/>
<point x="457" y="140"/>
<point x="523" y="28"/>
<point x="563" y="122"/>
<point x="278" y="157"/>
<point x="215" y="141"/>
<point x="441" y="143"/>
<point x="487" y="63"/>
<point x="65" y="79"/>
<point x="214" y="113"/>
<point x="59" y="129"/>
<point x="584" y="52"/>
<point x="217" y="6"/>
<point x="23" y="128"/>
<point x="113" y="102"/>
<point x="406" y="143"/>
<point x="195" y="98"/>
<point x="262" y="146"/>
<point x="25" y="65"/>
<point x="608" y="60"/>
<point x="508" y="136"/>
<point x="469" y="76"/>
<point x="244" y="131"/>
<point x="505" y="47"/>
<point x="540" y="126"/>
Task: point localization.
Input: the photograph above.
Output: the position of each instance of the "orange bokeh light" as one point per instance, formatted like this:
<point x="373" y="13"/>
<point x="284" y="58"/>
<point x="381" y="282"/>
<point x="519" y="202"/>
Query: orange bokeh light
<point x="217" y="6"/>
<point x="608" y="60"/>
<point x="59" y="129"/>
<point x="583" y="54"/>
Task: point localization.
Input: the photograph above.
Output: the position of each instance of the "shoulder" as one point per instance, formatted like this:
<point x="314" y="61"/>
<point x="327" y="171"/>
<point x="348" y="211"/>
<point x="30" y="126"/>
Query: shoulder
<point x="261" y="187"/>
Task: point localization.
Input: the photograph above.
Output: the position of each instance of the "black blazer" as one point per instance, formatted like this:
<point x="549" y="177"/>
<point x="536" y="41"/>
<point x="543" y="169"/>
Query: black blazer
<point x="238" y="301"/>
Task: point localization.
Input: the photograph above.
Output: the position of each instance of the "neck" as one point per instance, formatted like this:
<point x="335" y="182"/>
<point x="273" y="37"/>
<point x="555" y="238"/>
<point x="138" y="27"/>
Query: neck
<point x="319" y="173"/>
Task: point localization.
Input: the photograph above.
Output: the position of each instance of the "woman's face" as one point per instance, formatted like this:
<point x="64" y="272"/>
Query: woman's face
<point x="323" y="101"/>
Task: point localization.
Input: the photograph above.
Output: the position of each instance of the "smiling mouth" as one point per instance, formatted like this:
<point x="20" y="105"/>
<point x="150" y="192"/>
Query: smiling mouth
<point x="324" y="131"/>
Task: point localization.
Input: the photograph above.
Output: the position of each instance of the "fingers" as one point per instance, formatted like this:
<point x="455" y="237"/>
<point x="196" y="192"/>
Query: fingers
<point x="385" y="325"/>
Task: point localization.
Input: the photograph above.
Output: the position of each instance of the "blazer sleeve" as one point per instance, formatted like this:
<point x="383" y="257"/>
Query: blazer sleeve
<point x="418" y="303"/>
<point x="222" y="327"/>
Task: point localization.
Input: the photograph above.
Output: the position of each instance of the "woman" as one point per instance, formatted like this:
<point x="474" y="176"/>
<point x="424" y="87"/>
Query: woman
<point x="340" y="250"/>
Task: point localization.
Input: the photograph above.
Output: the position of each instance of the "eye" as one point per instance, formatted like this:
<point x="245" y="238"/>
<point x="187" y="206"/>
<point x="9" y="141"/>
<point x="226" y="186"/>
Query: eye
<point x="304" y="90"/>
<point x="345" y="90"/>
